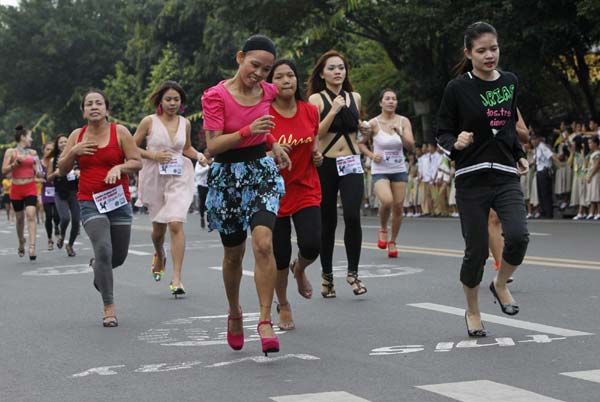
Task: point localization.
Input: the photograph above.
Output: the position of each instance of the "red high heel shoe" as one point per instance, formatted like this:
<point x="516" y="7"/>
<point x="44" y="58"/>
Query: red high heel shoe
<point x="382" y="244"/>
<point x="236" y="342"/>
<point x="269" y="345"/>
<point x="392" y="254"/>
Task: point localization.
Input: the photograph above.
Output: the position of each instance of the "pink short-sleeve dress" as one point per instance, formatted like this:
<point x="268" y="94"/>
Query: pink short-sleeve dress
<point x="167" y="196"/>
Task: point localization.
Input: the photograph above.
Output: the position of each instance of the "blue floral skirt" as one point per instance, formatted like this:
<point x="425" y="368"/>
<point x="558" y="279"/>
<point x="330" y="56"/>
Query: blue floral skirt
<point x="236" y="191"/>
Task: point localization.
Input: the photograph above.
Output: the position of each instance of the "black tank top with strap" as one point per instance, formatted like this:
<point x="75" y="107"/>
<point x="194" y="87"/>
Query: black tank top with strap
<point x="344" y="123"/>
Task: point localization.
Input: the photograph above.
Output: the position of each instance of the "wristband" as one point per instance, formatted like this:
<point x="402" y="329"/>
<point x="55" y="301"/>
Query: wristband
<point x="245" y="132"/>
<point x="270" y="141"/>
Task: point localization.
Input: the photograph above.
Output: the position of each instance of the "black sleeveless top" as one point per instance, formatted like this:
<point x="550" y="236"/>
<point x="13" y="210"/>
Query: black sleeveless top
<point x="63" y="186"/>
<point x="344" y="123"/>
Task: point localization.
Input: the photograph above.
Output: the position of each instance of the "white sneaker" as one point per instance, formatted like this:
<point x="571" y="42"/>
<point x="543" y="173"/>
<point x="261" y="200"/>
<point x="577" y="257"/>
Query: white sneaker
<point x="563" y="205"/>
<point x="529" y="216"/>
<point x="577" y="217"/>
<point x="416" y="215"/>
<point x="590" y="216"/>
<point x="409" y="215"/>
<point x="455" y="215"/>
<point x="597" y="217"/>
<point x="537" y="215"/>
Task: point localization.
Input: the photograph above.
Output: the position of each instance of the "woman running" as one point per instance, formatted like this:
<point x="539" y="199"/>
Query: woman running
<point x="167" y="177"/>
<point x="476" y="128"/>
<point x="106" y="154"/>
<point x="23" y="164"/>
<point x="244" y="186"/>
<point x="48" y="192"/>
<point x="66" y="187"/>
<point x="391" y="133"/>
<point x="296" y="128"/>
<point x="329" y="88"/>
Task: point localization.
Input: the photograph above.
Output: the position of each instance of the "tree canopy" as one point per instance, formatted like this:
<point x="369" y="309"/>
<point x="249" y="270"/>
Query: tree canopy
<point x="53" y="50"/>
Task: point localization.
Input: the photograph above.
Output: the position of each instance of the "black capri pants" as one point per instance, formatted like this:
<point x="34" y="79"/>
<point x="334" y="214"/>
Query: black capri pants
<point x="474" y="205"/>
<point x="307" y="223"/>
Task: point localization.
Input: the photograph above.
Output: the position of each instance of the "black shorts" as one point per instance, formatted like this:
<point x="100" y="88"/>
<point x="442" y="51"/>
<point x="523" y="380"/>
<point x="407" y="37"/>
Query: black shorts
<point x="29" y="201"/>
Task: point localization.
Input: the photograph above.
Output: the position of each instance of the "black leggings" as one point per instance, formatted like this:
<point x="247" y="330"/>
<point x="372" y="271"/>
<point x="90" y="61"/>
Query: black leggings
<point x="260" y="218"/>
<point x="307" y="223"/>
<point x="51" y="217"/>
<point x="351" y="188"/>
<point x="474" y="205"/>
<point x="202" y="192"/>
<point x="68" y="210"/>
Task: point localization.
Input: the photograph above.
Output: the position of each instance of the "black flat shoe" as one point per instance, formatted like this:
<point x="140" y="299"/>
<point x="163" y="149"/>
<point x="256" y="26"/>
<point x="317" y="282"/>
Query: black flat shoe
<point x="508" y="309"/>
<point x="475" y="333"/>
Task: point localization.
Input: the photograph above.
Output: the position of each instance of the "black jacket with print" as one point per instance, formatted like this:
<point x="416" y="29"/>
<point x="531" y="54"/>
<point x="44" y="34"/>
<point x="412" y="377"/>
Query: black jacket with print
<point x="489" y="110"/>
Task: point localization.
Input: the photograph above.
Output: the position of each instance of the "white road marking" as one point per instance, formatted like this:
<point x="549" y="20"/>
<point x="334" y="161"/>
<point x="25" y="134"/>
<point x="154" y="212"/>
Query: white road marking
<point x="244" y="272"/>
<point x="135" y="252"/>
<point x="320" y="397"/>
<point x="539" y="234"/>
<point x="59" y="270"/>
<point x="485" y="391"/>
<point x="589" y="375"/>
<point x="511" y="322"/>
<point x="106" y="370"/>
<point x="264" y="359"/>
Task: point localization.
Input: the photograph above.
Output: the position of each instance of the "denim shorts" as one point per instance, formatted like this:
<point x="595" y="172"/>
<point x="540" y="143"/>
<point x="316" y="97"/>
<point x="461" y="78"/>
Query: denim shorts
<point x="392" y="177"/>
<point x="120" y="216"/>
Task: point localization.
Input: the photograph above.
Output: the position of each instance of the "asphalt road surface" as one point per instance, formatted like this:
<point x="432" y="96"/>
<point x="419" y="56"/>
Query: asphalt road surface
<point x="405" y="340"/>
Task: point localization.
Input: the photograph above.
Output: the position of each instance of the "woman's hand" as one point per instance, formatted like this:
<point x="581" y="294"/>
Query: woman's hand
<point x="85" y="148"/>
<point x="464" y="139"/>
<point x="281" y="157"/>
<point x="161" y="156"/>
<point x="262" y="125"/>
<point x="522" y="166"/>
<point x="377" y="158"/>
<point x="201" y="159"/>
<point x="338" y="103"/>
<point x="317" y="158"/>
<point x="113" y="175"/>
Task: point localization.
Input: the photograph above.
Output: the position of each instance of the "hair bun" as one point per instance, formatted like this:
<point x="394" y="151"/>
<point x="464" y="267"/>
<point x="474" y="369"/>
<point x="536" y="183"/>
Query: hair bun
<point x="19" y="127"/>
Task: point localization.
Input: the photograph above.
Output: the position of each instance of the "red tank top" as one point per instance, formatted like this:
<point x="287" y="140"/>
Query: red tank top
<point x="95" y="167"/>
<point x="25" y="169"/>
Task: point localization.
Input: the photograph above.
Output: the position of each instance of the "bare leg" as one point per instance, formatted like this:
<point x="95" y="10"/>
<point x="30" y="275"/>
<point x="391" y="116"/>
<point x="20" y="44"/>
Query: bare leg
<point x="286" y="321"/>
<point x="398" y="192"/>
<point x="177" y="250"/>
<point x="20" y="224"/>
<point x="495" y="236"/>
<point x="383" y="192"/>
<point x="506" y="270"/>
<point x="232" y="277"/>
<point x="30" y="214"/>
<point x="158" y="239"/>
<point x="264" y="274"/>
<point x="473" y="313"/>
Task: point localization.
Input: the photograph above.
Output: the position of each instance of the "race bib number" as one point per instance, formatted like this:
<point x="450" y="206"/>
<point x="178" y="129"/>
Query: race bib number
<point x="49" y="191"/>
<point x="348" y="165"/>
<point x="111" y="199"/>
<point x="71" y="176"/>
<point x="174" y="167"/>
<point x="392" y="157"/>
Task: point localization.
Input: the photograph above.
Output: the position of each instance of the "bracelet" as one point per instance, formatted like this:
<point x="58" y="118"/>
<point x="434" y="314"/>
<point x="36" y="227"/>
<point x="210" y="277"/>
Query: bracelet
<point x="245" y="132"/>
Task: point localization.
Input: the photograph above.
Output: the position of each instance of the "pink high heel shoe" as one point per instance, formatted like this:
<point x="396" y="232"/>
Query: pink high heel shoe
<point x="236" y="342"/>
<point x="269" y="345"/>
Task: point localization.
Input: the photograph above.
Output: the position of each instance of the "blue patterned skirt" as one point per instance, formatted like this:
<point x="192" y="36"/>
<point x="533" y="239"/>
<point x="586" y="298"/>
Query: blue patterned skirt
<point x="236" y="191"/>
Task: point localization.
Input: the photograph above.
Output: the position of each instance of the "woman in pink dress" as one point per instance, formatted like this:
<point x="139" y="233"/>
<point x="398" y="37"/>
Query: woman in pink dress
<point x="166" y="185"/>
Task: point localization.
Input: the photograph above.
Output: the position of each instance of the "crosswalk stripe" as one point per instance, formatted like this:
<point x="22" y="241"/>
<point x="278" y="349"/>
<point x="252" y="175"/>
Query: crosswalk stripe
<point x="136" y="252"/>
<point x="589" y="375"/>
<point x="320" y="397"/>
<point x="485" y="391"/>
<point x="511" y="322"/>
